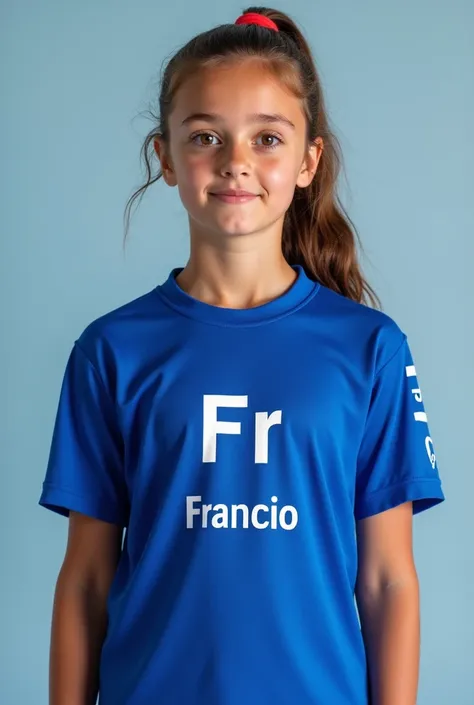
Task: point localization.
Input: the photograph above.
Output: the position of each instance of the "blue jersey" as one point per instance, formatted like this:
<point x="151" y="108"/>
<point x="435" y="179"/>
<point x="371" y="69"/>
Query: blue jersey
<point x="238" y="447"/>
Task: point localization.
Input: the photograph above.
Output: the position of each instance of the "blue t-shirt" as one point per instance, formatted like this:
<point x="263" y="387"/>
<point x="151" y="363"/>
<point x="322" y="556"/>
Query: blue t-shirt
<point x="238" y="447"/>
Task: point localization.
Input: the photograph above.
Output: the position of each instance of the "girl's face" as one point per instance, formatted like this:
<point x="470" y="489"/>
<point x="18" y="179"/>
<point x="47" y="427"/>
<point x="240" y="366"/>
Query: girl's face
<point x="236" y="127"/>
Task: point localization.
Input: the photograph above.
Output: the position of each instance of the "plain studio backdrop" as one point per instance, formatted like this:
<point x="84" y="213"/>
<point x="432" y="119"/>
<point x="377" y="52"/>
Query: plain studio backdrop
<point x="77" y="80"/>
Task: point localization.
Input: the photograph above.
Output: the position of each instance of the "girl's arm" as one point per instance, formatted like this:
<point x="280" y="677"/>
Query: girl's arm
<point x="387" y="596"/>
<point x="79" y="614"/>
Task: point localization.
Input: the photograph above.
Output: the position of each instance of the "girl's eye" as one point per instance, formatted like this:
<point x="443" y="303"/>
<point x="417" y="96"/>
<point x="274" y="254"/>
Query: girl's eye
<point x="269" y="135"/>
<point x="204" y="139"/>
<point x="205" y="142"/>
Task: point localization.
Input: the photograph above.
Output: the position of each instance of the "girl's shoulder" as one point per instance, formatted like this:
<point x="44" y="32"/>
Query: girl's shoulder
<point x="358" y="325"/>
<point x="112" y="329"/>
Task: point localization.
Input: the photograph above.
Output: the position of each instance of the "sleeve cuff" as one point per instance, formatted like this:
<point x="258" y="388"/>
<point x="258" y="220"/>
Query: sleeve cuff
<point x="424" y="493"/>
<point x="62" y="501"/>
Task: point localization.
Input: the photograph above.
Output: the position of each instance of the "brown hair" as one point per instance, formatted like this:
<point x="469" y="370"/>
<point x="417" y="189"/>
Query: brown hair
<point x="317" y="232"/>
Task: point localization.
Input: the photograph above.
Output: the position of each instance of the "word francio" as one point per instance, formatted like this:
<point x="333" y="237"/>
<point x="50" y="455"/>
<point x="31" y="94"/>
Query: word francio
<point x="236" y="516"/>
<point x="241" y="516"/>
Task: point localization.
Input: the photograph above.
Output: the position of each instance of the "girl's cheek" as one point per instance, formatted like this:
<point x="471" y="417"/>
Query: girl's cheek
<point x="189" y="195"/>
<point x="195" y="166"/>
<point x="278" y="175"/>
<point x="197" y="177"/>
<point x="190" y="167"/>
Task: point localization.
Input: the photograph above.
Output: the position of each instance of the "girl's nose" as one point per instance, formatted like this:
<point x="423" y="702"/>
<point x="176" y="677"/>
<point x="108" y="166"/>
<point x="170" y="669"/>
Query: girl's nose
<point x="235" y="161"/>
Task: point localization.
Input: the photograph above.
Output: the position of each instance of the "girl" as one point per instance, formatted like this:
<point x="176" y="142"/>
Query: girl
<point x="252" y="424"/>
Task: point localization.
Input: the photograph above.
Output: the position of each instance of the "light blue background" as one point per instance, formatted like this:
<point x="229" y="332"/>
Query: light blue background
<point x="75" y="78"/>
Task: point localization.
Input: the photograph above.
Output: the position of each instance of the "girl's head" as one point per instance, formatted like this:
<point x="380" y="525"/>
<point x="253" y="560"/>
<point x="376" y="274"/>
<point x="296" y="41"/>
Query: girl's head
<point x="241" y="108"/>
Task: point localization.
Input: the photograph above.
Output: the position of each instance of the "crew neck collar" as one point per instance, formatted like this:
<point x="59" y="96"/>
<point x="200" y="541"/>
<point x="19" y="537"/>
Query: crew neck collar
<point x="302" y="289"/>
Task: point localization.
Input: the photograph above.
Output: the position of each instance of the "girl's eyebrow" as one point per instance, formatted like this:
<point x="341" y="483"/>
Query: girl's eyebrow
<point x="255" y="117"/>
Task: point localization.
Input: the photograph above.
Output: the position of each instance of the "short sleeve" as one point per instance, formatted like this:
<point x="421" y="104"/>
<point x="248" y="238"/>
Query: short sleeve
<point x="85" y="467"/>
<point x="396" y="461"/>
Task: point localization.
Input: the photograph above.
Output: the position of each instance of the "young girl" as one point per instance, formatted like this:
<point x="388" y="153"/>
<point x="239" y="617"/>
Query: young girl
<point x="256" y="428"/>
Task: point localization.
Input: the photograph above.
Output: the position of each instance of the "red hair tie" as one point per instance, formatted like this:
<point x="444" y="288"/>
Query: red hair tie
<point x="256" y="18"/>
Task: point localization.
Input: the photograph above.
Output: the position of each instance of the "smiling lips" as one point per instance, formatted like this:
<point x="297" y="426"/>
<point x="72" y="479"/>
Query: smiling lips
<point x="234" y="196"/>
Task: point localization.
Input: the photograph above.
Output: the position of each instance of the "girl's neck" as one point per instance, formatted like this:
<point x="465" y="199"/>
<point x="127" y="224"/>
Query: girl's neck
<point x="237" y="281"/>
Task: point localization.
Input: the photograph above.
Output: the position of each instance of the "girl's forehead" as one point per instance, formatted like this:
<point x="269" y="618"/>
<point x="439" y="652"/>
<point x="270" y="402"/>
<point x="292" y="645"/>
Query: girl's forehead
<point x="233" y="90"/>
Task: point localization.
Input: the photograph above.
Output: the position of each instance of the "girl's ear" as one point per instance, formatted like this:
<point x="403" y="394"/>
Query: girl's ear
<point x="310" y="163"/>
<point x="165" y="161"/>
